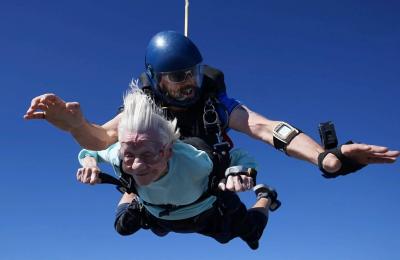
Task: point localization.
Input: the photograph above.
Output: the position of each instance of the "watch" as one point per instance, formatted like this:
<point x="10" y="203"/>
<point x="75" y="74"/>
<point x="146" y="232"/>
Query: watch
<point x="283" y="134"/>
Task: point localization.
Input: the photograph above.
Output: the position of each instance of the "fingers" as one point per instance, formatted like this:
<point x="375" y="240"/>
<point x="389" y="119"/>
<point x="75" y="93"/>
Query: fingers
<point x="389" y="154"/>
<point x="35" y="115"/>
<point x="349" y="149"/>
<point x="239" y="183"/>
<point x="221" y="186"/>
<point x="35" y="101"/>
<point x="233" y="183"/>
<point x="88" y="175"/>
<point x="369" y="154"/>
<point x="51" y="100"/>
<point x="378" y="149"/>
<point x="381" y="160"/>
<point x="248" y="182"/>
<point x="40" y="99"/>
<point x="42" y="102"/>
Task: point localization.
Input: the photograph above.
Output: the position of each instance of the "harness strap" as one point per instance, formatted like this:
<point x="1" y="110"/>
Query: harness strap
<point x="219" y="154"/>
<point x="121" y="184"/>
<point x="168" y="208"/>
<point x="125" y="183"/>
<point x="220" y="150"/>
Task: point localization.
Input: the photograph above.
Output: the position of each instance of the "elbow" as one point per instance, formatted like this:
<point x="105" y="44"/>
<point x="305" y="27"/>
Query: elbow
<point x="127" y="220"/>
<point x="126" y="227"/>
<point x="123" y="231"/>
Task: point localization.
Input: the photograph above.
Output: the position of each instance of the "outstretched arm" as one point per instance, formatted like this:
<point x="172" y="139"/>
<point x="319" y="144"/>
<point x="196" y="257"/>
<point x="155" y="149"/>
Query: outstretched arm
<point x="68" y="116"/>
<point x="303" y="147"/>
<point x="257" y="126"/>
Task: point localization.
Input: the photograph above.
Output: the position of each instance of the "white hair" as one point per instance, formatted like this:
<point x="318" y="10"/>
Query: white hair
<point x="141" y="115"/>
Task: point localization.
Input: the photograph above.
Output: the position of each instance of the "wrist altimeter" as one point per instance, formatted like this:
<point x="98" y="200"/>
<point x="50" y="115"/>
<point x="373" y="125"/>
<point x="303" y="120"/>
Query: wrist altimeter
<point x="283" y="134"/>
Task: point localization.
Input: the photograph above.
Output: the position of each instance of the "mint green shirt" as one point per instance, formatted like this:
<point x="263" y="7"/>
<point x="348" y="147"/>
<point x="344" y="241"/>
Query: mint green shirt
<point x="185" y="181"/>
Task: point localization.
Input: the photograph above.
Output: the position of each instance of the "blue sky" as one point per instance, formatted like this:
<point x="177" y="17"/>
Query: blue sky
<point x="304" y="62"/>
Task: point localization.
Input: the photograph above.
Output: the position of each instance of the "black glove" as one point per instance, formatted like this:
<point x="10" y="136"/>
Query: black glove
<point x="265" y="191"/>
<point x="348" y="165"/>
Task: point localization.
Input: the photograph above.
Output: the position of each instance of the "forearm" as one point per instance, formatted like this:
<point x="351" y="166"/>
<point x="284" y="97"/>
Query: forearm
<point x="342" y="160"/>
<point x="304" y="148"/>
<point x="95" y="137"/>
<point x="301" y="147"/>
<point x="259" y="127"/>
<point x="246" y="121"/>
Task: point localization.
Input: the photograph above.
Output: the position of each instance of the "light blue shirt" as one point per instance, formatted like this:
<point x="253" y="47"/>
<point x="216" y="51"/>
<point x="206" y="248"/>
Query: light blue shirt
<point x="185" y="181"/>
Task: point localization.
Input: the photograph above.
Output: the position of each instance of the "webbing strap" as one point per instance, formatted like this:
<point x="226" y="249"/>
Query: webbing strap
<point x="168" y="208"/>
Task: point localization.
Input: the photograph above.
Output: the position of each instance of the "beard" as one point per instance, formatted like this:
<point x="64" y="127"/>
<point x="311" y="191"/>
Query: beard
<point x="181" y="93"/>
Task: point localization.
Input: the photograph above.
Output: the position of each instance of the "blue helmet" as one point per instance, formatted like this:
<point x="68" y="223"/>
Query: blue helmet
<point x="173" y="66"/>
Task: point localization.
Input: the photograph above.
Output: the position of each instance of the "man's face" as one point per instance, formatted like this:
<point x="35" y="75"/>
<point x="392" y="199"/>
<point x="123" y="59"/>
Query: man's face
<point x="144" y="157"/>
<point x="179" y="85"/>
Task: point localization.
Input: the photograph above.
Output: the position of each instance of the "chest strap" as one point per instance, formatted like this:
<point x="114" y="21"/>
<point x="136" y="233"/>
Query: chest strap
<point x="168" y="208"/>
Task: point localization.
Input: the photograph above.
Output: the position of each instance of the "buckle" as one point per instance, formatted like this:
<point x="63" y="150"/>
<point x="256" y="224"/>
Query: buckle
<point x="222" y="147"/>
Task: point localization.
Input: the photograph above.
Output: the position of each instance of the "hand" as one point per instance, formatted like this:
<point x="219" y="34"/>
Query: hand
<point x="63" y="115"/>
<point x="88" y="175"/>
<point x="237" y="183"/>
<point x="361" y="153"/>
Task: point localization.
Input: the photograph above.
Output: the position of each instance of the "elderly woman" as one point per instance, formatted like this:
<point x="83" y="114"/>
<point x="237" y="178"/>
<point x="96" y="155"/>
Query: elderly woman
<point x="167" y="171"/>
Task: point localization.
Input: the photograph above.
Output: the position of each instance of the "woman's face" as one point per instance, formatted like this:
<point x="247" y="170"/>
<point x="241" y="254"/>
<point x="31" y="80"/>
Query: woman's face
<point x="144" y="157"/>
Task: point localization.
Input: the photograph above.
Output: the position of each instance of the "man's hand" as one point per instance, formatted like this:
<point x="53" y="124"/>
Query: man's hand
<point x="367" y="154"/>
<point x="360" y="153"/>
<point x="63" y="115"/>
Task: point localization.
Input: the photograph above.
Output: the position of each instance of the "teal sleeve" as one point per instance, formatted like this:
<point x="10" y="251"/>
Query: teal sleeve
<point x="108" y="155"/>
<point x="240" y="157"/>
<point x="85" y="153"/>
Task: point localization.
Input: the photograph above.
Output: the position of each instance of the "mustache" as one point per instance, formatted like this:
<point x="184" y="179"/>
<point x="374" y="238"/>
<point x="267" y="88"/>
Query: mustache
<point x="181" y="92"/>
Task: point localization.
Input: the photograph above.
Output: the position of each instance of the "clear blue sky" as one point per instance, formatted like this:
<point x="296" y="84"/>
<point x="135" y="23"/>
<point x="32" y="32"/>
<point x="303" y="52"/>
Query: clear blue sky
<point x="300" y="61"/>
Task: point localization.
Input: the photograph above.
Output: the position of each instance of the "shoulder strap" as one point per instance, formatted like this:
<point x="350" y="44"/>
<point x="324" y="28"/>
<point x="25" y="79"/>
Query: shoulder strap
<point x="220" y="158"/>
<point x="213" y="81"/>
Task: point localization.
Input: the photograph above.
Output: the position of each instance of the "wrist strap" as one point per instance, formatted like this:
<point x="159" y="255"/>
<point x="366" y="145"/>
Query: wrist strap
<point x="348" y="165"/>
